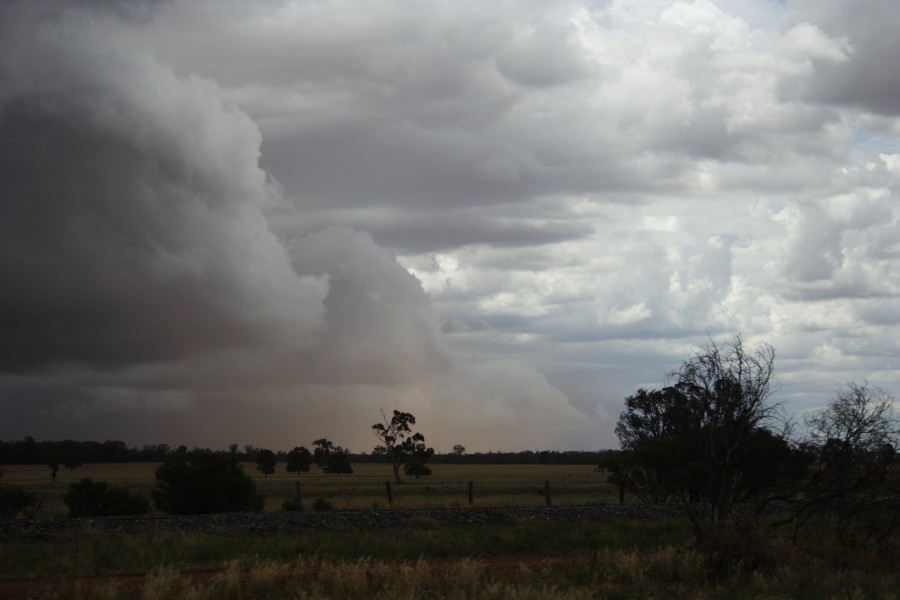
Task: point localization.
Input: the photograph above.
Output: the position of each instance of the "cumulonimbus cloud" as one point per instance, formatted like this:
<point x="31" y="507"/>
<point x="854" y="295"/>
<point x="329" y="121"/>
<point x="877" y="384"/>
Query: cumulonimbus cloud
<point x="145" y="293"/>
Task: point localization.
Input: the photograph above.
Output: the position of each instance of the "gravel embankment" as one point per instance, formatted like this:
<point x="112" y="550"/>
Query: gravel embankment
<point x="281" y="522"/>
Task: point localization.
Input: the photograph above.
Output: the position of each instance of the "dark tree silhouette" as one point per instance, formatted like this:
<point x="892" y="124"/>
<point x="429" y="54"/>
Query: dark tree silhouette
<point x="204" y="483"/>
<point x="416" y="469"/>
<point x="72" y="460"/>
<point x="323" y="449"/>
<point x="266" y="461"/>
<point x="53" y="463"/>
<point x="338" y="462"/>
<point x="712" y="440"/>
<point x="299" y="460"/>
<point x="855" y="479"/>
<point x="399" y="443"/>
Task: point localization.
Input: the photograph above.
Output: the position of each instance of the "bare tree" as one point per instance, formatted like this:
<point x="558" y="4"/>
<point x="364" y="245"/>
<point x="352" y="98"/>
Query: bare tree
<point x="728" y="389"/>
<point x="854" y="478"/>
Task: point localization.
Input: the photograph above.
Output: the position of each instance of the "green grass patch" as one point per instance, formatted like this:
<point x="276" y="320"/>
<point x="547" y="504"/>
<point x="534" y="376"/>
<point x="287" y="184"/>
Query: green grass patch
<point x="95" y="553"/>
<point x="617" y="559"/>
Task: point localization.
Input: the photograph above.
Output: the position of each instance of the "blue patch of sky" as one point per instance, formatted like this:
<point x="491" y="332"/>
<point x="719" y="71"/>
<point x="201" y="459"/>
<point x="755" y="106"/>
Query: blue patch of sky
<point x="881" y="144"/>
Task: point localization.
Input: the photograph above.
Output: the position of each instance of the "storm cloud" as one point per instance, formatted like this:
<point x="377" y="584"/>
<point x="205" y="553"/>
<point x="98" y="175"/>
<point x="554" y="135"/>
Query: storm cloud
<point x="263" y="223"/>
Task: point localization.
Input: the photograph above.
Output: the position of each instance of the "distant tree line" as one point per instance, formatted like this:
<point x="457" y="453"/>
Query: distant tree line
<point x="73" y="453"/>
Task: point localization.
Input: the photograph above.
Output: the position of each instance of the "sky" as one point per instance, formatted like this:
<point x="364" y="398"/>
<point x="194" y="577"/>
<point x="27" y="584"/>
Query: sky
<point x="235" y="221"/>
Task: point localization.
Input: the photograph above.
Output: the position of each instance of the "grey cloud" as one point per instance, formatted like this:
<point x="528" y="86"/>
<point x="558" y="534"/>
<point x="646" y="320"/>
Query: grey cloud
<point x="150" y="298"/>
<point x="575" y="184"/>
<point x="424" y="232"/>
<point x="128" y="195"/>
<point x="541" y="57"/>
<point x="380" y="326"/>
<point x="871" y="29"/>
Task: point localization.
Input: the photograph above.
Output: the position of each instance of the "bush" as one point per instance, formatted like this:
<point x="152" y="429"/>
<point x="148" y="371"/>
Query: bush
<point x="741" y="545"/>
<point x="322" y="504"/>
<point x="292" y="505"/>
<point x="416" y="469"/>
<point x="205" y="483"/>
<point x="16" y="500"/>
<point x="89" y="498"/>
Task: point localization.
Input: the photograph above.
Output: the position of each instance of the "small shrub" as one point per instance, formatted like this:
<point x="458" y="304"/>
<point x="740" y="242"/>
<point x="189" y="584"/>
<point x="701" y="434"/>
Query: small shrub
<point x="416" y="469"/>
<point x="322" y="504"/>
<point x="16" y="500"/>
<point x="292" y="505"/>
<point x="740" y="546"/>
<point x="89" y="498"/>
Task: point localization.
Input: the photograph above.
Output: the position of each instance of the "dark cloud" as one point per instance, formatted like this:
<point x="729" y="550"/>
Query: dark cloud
<point x="129" y="199"/>
<point x="197" y="198"/>
<point x="869" y="29"/>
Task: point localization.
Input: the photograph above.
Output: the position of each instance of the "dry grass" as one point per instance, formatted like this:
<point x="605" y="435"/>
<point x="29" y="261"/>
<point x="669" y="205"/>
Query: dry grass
<point x="495" y="485"/>
<point x="661" y="573"/>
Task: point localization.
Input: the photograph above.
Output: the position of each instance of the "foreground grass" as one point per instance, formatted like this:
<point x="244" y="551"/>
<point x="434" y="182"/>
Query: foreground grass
<point x="660" y="574"/>
<point x="97" y="553"/>
<point x="611" y="559"/>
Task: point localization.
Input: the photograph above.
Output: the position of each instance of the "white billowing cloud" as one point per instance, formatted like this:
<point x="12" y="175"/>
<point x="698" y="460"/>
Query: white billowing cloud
<point x="631" y="314"/>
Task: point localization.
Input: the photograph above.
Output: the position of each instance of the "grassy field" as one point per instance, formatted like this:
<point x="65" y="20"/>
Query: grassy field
<point x="621" y="558"/>
<point x="494" y="485"/>
<point x="600" y="559"/>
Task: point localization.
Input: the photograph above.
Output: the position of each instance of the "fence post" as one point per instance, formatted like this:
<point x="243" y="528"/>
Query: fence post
<point x="471" y="492"/>
<point x="387" y="486"/>
<point x="547" y="491"/>
<point x="297" y="491"/>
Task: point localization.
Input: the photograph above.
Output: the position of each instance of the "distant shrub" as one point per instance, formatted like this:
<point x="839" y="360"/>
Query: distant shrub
<point x="89" y="498"/>
<point x="205" y="483"/>
<point x="322" y="504"/>
<point x="292" y="505"/>
<point x="416" y="469"/>
<point x="16" y="500"/>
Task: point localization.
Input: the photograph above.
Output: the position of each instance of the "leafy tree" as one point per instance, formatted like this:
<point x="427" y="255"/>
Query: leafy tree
<point x="416" y="469"/>
<point x="72" y="460"/>
<point x="338" y="462"/>
<point x="299" y="460"/>
<point x="89" y="498"/>
<point x="651" y="431"/>
<point x="710" y="441"/>
<point x="855" y="477"/>
<point x="459" y="450"/>
<point x="53" y="463"/>
<point x="233" y="449"/>
<point x="204" y="483"/>
<point x="330" y="458"/>
<point x="399" y="443"/>
<point x="323" y="449"/>
<point x="266" y="461"/>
